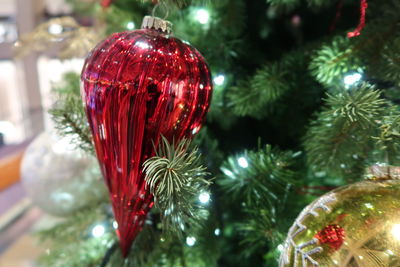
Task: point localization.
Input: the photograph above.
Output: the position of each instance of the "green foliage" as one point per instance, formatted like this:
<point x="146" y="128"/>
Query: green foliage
<point x="175" y="177"/>
<point x="275" y="72"/>
<point x="340" y="137"/>
<point x="259" y="176"/>
<point x="332" y="62"/>
<point x="259" y="231"/>
<point x="265" y="87"/>
<point x="70" y="243"/>
<point x="291" y="4"/>
<point x="390" y="69"/>
<point x="288" y="4"/>
<point x="388" y="140"/>
<point x="68" y="113"/>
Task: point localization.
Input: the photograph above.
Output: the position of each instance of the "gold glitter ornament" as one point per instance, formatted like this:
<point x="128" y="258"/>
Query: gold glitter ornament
<point x="353" y="226"/>
<point x="75" y="40"/>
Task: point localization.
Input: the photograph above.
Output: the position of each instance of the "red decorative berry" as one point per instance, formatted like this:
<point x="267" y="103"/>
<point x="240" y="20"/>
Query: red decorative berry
<point x="332" y="235"/>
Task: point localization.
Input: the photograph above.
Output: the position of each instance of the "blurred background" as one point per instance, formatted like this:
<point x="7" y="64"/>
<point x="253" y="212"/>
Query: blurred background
<point x="25" y="97"/>
<point x="299" y="108"/>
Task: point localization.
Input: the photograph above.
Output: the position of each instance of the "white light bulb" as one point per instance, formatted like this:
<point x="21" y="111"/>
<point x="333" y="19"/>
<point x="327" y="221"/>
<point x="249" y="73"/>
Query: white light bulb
<point x="202" y="16"/>
<point x="55" y="29"/>
<point x="228" y="173"/>
<point x="195" y="130"/>
<point x="351" y="79"/>
<point x="204" y="197"/>
<point x="115" y="224"/>
<point x="130" y="25"/>
<point x="243" y="162"/>
<point x="280" y="247"/>
<point x="98" y="230"/>
<point x="369" y="205"/>
<point x="396" y="231"/>
<point x="190" y="241"/>
<point x="219" y="79"/>
<point x="217" y="232"/>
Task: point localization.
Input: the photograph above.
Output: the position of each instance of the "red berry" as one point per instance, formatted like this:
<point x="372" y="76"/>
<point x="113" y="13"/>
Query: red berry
<point x="332" y="235"/>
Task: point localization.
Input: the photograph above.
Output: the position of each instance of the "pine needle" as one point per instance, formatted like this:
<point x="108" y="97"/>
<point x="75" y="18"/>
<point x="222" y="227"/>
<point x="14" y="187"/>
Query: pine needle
<point x="175" y="177"/>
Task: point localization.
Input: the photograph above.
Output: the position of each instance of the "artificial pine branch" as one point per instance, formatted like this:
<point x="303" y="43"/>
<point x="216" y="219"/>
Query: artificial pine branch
<point x="259" y="231"/>
<point x="262" y="179"/>
<point x="70" y="242"/>
<point x="68" y="113"/>
<point x="252" y="97"/>
<point x="340" y="137"/>
<point x="331" y="62"/>
<point x="390" y="68"/>
<point x="175" y="177"/>
<point x="388" y="139"/>
<point x="291" y="4"/>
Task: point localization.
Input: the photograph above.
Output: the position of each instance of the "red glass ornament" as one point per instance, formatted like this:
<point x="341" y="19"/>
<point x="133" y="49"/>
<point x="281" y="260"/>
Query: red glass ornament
<point x="332" y="235"/>
<point x="139" y="85"/>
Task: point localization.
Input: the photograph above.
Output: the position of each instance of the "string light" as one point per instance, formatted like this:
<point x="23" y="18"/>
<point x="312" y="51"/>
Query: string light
<point x="219" y="79"/>
<point x="98" y="230"/>
<point x="204" y="197"/>
<point x="227" y="172"/>
<point x="243" y="162"/>
<point x="190" y="241"/>
<point x="130" y="25"/>
<point x="280" y="248"/>
<point x="396" y="231"/>
<point x="115" y="224"/>
<point x="217" y="232"/>
<point x="369" y="205"/>
<point x="202" y="16"/>
<point x="55" y="29"/>
<point x="351" y="79"/>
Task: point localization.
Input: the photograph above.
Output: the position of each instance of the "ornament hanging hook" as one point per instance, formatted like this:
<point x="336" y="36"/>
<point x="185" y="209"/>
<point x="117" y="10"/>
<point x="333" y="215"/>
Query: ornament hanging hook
<point x="157" y="6"/>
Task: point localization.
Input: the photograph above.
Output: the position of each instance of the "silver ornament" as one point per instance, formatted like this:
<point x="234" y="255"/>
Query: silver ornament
<point x="58" y="177"/>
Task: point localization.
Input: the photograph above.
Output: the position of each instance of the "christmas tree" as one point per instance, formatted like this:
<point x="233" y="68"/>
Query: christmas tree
<point x="305" y="98"/>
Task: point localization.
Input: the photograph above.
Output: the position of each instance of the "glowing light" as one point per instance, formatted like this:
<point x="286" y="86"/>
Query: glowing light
<point x="130" y="25"/>
<point x="143" y="45"/>
<point x="190" y="241"/>
<point x="351" y="79"/>
<point x="219" y="79"/>
<point x="98" y="230"/>
<point x="390" y="252"/>
<point x="243" y="162"/>
<point x="227" y="172"/>
<point x="369" y="205"/>
<point x="217" y="232"/>
<point x="280" y="248"/>
<point x="202" y="16"/>
<point x="204" y="197"/>
<point x="55" y="29"/>
<point x="396" y="231"/>
<point x="115" y="224"/>
<point x="7" y="129"/>
<point x="195" y="130"/>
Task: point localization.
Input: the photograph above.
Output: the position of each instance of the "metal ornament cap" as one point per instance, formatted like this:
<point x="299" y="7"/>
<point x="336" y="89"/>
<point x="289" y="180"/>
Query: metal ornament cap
<point x="155" y="23"/>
